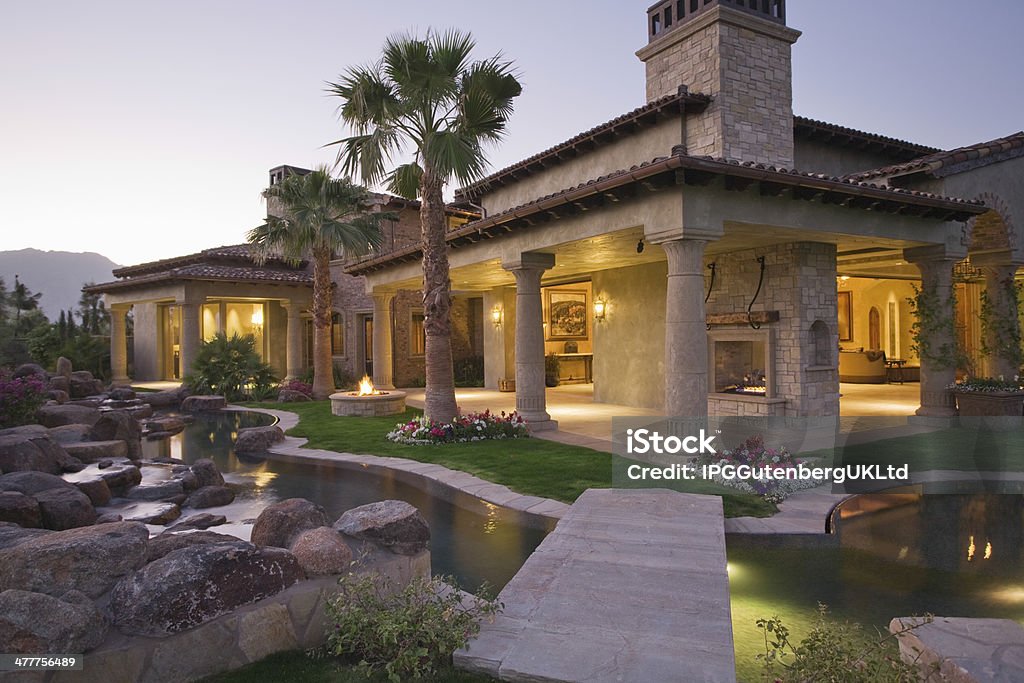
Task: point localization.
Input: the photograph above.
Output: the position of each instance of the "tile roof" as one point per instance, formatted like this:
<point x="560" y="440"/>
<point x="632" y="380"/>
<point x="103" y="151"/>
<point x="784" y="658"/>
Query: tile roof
<point x="834" y="133"/>
<point x="203" y="271"/>
<point x="628" y="122"/>
<point x="813" y="184"/>
<point x="993" y="150"/>
<point x="243" y="251"/>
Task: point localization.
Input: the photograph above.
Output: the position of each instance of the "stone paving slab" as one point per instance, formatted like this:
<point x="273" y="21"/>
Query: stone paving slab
<point x="630" y="586"/>
<point x="966" y="650"/>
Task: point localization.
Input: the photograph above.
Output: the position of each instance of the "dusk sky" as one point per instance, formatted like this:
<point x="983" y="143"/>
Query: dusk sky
<point x="144" y="130"/>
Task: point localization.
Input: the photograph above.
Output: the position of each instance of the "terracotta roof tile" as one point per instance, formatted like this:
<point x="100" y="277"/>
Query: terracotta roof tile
<point x="995" y="149"/>
<point x="809" y="128"/>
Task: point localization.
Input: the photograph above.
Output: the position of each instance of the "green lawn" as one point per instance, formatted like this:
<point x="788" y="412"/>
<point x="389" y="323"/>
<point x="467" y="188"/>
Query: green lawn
<point x="297" y="666"/>
<point x="529" y="466"/>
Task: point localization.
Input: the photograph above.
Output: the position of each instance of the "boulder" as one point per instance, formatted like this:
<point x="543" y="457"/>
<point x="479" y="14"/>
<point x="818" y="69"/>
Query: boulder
<point x="83" y="384"/>
<point x="210" y="496"/>
<point x="94" y="451"/>
<point x="60" y="383"/>
<point x="394" y="524"/>
<point x="158" y="491"/>
<point x="196" y="404"/>
<point x="97" y="490"/>
<point x="90" y="559"/>
<point x="171" y="540"/>
<point x="121" y="394"/>
<point x="192" y="585"/>
<point x="119" y="425"/>
<point x="207" y="473"/>
<point x="108" y="517"/>
<point x="29" y="370"/>
<point x="258" y="439"/>
<point x="204" y="520"/>
<point x="159" y="436"/>
<point x="161" y="399"/>
<point x="57" y="395"/>
<point x="38" y="624"/>
<point x="158" y="514"/>
<point x="279" y="524"/>
<point x="31" y="483"/>
<point x="165" y="424"/>
<point x="189" y="480"/>
<point x="12" y="534"/>
<point x="20" y="509"/>
<point x="292" y="396"/>
<point x="140" y="411"/>
<point x="322" y="551"/>
<point x="24" y="452"/>
<point x="121" y="477"/>
<point x="75" y="433"/>
<point x="92" y="402"/>
<point x="64" y="367"/>
<point x="65" y="508"/>
<point x="67" y="414"/>
<point x="25" y="430"/>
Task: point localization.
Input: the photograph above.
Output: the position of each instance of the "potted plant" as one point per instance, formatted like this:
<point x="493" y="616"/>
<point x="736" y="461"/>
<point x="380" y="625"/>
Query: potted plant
<point x="551" y="369"/>
<point x="989" y="396"/>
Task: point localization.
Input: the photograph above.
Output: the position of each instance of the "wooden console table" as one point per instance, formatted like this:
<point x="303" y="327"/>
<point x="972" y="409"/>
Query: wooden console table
<point x="587" y="359"/>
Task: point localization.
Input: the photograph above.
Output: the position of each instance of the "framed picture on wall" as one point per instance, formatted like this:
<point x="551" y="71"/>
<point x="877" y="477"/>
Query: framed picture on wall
<point x="568" y="314"/>
<point x="845" y="316"/>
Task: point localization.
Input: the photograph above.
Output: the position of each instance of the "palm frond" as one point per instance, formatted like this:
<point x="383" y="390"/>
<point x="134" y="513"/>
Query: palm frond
<point x="404" y="181"/>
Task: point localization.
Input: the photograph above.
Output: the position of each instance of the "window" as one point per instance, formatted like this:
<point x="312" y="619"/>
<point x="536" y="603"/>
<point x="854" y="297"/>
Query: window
<point x="337" y="335"/>
<point x="417" y="335"/>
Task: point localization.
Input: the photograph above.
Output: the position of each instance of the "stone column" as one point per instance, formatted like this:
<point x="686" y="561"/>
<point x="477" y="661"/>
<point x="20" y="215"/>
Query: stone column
<point x="383" y="363"/>
<point x="293" y="352"/>
<point x="938" y="367"/>
<point x="531" y="402"/>
<point x="191" y="335"/>
<point x="119" y="346"/>
<point x="686" y="337"/>
<point x="1004" y="327"/>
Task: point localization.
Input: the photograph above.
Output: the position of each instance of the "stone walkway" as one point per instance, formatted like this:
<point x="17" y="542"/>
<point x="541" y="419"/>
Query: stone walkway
<point x="630" y="586"/>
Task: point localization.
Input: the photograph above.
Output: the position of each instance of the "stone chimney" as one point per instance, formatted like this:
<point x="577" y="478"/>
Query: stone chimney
<point x="740" y="53"/>
<point x="277" y="174"/>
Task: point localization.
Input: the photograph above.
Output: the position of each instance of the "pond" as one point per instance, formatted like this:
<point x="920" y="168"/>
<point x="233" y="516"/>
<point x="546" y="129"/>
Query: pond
<point x="897" y="554"/>
<point x="471" y="540"/>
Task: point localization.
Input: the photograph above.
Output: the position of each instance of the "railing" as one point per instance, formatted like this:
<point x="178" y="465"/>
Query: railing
<point x="666" y="15"/>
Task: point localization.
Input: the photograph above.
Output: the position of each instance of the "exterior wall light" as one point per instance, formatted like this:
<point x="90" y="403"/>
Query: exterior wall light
<point x="497" y="316"/>
<point x="600" y="309"/>
<point x="257" y="319"/>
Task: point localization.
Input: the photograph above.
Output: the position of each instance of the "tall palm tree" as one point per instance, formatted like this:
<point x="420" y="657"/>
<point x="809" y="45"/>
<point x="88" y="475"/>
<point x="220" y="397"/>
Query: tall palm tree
<point x="426" y="97"/>
<point x="320" y="216"/>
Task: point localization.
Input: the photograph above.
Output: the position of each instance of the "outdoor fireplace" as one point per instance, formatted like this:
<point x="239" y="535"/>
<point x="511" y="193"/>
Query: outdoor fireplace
<point x="740" y="362"/>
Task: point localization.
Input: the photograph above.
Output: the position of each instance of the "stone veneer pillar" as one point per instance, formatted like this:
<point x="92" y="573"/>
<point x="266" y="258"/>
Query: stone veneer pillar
<point x="293" y="353"/>
<point x="383" y="363"/>
<point x="119" y="346"/>
<point x="530" y="397"/>
<point x="191" y="336"/>
<point x="686" y="337"/>
<point x="936" y="266"/>
<point x="1000" y="270"/>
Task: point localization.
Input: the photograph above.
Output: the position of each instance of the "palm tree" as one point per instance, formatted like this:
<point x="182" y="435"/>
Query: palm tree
<point x="426" y="97"/>
<point x="321" y="217"/>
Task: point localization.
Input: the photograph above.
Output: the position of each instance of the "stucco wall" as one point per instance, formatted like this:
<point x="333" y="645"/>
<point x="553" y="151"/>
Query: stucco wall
<point x="629" y="346"/>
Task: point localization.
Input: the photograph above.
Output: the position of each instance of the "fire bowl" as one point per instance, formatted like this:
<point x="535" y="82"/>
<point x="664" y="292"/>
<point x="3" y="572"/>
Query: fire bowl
<point x="349" y="404"/>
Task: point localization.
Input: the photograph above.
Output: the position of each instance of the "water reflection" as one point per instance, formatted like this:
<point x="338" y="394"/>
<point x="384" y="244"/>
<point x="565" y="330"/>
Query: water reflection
<point x="470" y="539"/>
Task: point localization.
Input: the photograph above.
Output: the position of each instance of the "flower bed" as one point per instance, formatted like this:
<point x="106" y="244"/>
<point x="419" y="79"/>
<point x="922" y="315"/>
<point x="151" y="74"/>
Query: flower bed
<point x="754" y="454"/>
<point x="986" y="385"/>
<point x="465" y="428"/>
<point x="20" y="397"/>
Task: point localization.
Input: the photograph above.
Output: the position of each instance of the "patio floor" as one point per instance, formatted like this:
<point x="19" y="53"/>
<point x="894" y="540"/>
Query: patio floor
<point x="581" y="422"/>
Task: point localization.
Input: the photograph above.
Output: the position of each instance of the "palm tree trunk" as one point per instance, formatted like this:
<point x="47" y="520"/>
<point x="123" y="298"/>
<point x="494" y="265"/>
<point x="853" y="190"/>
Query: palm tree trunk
<point x="323" y="363"/>
<point x="440" y="391"/>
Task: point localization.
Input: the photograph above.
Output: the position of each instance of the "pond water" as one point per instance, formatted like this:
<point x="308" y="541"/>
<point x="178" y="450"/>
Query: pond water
<point x="897" y="554"/>
<point x="471" y="540"/>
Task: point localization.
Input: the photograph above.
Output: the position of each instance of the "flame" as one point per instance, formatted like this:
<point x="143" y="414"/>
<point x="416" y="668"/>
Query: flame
<point x="970" y="549"/>
<point x="366" y="387"/>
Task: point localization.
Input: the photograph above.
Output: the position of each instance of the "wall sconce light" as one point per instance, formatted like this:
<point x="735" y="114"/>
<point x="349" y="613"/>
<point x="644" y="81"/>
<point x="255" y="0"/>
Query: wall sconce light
<point x="600" y="309"/>
<point x="497" y="316"/>
<point x="257" y="319"/>
<point x="640" y="247"/>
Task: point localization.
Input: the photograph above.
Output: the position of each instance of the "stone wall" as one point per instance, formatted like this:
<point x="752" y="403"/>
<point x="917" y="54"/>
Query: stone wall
<point x="350" y="299"/>
<point x="467" y="335"/>
<point x="293" y="619"/>
<point x="799" y="283"/>
<point x="745" y="64"/>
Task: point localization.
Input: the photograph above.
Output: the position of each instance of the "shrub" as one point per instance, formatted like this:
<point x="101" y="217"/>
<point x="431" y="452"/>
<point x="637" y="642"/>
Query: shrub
<point x="835" y="652"/>
<point x="409" y="633"/>
<point x="756" y="455"/>
<point x="230" y="367"/>
<point x="297" y="385"/>
<point x="471" y="427"/>
<point x="469" y="372"/>
<point x="986" y="385"/>
<point x="20" y="398"/>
